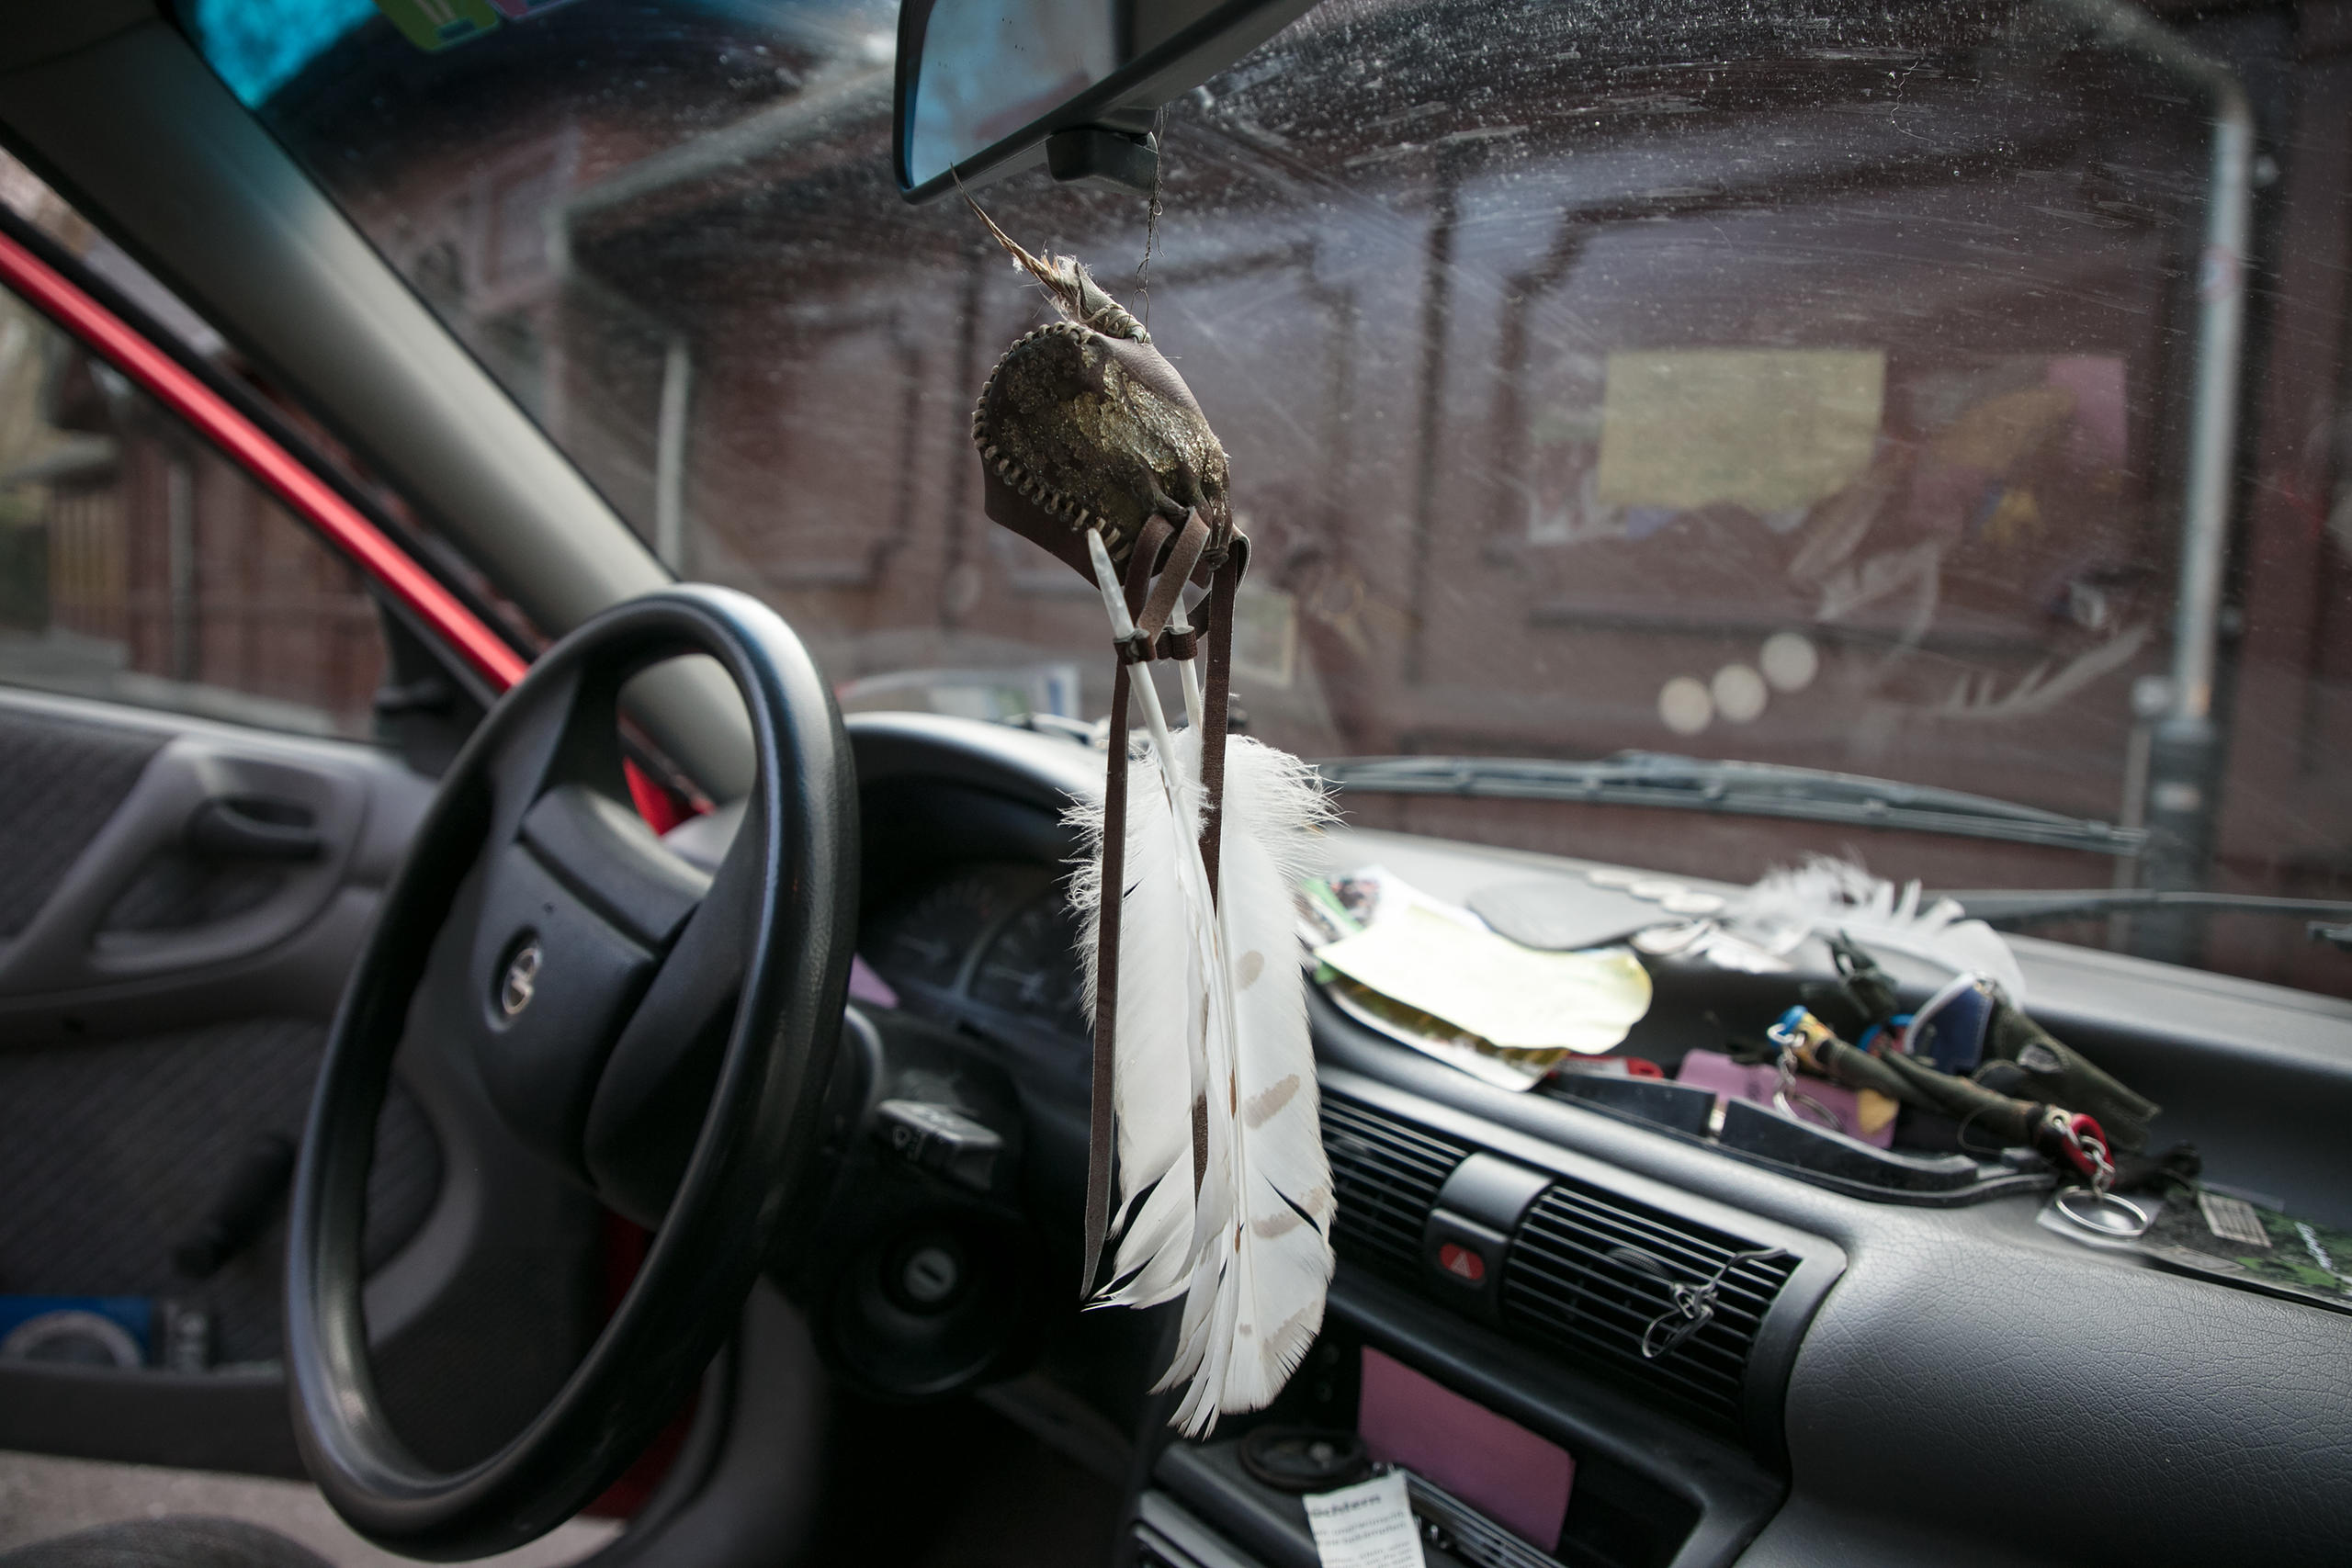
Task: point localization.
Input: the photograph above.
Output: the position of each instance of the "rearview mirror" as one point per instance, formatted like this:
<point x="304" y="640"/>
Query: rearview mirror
<point x="986" y="87"/>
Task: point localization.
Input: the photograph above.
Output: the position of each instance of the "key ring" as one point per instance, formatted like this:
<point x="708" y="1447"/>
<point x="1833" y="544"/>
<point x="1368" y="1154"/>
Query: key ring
<point x="2090" y="1203"/>
<point x="2103" y="1214"/>
<point x="1793" y="1103"/>
<point x="1787" y="1098"/>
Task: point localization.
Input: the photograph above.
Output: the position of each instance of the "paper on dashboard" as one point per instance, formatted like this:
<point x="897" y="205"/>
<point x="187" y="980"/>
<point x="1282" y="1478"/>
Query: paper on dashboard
<point x="1514" y="998"/>
<point x="1517" y="1071"/>
<point x="1366" y="1526"/>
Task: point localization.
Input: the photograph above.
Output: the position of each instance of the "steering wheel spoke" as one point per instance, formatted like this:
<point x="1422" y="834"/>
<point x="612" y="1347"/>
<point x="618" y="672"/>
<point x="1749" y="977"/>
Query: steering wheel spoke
<point x="649" y="1105"/>
<point x="525" y="755"/>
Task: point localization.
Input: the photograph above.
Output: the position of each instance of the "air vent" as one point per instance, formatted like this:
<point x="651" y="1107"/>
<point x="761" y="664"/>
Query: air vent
<point x="1587" y="1273"/>
<point x="1591" y="1270"/>
<point x="1387" y="1174"/>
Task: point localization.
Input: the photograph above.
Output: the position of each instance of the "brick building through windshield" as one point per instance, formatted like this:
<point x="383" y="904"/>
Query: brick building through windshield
<point x="1809" y="389"/>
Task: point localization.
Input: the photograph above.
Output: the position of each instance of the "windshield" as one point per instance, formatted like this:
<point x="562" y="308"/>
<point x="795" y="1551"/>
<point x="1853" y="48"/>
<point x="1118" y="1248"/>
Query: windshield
<point x="1800" y="383"/>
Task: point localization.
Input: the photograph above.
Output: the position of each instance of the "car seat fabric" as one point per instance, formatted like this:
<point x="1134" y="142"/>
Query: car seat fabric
<point x="167" y="1543"/>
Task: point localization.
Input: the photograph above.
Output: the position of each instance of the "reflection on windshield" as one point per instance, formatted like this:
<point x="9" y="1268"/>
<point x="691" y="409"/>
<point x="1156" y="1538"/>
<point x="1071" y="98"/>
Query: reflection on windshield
<point x="257" y="45"/>
<point x="1801" y="383"/>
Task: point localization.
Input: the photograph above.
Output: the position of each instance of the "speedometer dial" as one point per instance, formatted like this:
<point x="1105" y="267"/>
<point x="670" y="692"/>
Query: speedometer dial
<point x="924" y="939"/>
<point x="1032" y="968"/>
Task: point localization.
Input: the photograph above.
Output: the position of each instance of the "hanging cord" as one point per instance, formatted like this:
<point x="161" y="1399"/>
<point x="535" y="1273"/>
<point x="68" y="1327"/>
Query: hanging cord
<point x="1151" y="217"/>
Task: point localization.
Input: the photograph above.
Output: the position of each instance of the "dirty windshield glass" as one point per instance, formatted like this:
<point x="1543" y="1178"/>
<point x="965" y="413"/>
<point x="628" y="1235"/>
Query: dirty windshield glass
<point x="1811" y="384"/>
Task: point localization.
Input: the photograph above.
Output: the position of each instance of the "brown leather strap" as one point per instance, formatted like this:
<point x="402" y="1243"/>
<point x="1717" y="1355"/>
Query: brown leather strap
<point x="1140" y="565"/>
<point x="1181" y="558"/>
<point x="1101" y="1129"/>
<point x="1216" y="703"/>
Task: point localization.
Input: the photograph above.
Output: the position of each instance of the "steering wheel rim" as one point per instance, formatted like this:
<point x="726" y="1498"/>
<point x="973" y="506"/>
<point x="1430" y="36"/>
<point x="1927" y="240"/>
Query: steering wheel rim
<point x="785" y="897"/>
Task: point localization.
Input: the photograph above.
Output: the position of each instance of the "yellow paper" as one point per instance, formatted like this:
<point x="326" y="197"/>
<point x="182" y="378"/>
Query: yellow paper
<point x="1514" y="996"/>
<point x="1766" y="428"/>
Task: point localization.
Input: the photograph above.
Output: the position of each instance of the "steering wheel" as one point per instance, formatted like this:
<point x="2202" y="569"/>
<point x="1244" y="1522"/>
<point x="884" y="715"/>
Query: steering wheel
<point x="607" y="992"/>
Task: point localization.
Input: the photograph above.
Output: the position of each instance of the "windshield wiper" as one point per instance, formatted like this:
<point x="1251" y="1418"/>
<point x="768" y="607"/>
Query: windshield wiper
<point x="2023" y="906"/>
<point x="1742" y="789"/>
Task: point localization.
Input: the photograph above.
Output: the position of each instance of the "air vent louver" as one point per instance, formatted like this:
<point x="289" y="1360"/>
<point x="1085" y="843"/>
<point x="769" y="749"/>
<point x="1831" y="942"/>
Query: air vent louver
<point x="1591" y="1269"/>
<point x="1387" y="1174"/>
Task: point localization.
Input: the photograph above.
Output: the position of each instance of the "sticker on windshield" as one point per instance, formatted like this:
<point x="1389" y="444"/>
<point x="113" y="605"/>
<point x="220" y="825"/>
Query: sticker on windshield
<point x="437" y="23"/>
<point x="1774" y="429"/>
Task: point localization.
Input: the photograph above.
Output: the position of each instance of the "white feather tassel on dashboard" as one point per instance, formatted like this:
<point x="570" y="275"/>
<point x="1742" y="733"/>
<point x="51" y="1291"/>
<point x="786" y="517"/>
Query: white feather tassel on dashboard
<point x="1826" y="894"/>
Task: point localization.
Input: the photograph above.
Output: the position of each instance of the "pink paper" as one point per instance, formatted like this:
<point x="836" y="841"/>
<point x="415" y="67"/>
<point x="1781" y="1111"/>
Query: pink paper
<point x="1712" y="1070"/>
<point x="1496" y="1465"/>
<point x="866" y="985"/>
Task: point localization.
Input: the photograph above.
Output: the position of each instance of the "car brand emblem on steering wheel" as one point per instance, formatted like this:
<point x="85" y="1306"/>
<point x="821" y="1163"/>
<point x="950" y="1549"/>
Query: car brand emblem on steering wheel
<point x="521" y="980"/>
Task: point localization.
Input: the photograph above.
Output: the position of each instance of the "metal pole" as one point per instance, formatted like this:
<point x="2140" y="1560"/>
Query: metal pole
<point x="2213" y="420"/>
<point x="1437" y="321"/>
<point x="2182" y="752"/>
<point x="2150" y="700"/>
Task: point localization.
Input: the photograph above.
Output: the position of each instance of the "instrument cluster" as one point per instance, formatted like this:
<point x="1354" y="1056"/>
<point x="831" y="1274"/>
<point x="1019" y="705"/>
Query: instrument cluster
<point x="991" y="949"/>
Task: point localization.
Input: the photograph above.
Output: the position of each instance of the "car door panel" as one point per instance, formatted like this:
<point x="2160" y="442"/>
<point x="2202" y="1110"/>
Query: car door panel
<point x="59" y="783"/>
<point x="163" y="886"/>
<point x="166" y="983"/>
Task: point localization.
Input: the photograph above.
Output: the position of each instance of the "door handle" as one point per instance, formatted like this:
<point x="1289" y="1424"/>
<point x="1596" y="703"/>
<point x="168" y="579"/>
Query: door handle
<point x="241" y="829"/>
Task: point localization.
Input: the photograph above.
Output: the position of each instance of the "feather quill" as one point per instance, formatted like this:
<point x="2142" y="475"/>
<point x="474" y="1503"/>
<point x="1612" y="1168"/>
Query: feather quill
<point x="1826" y="894"/>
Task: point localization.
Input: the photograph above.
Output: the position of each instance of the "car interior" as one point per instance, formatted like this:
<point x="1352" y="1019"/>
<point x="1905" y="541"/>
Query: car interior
<point x="522" y="1002"/>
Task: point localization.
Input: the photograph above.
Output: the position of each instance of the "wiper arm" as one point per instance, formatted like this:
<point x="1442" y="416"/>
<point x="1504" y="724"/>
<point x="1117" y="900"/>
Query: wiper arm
<point x="1741" y="789"/>
<point x="2025" y="905"/>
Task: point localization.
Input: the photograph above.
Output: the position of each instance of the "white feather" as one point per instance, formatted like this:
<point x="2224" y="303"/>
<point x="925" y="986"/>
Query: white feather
<point x="1264" y="1264"/>
<point x="1157" y="1055"/>
<point x="1826" y="896"/>
<point x="1214" y="985"/>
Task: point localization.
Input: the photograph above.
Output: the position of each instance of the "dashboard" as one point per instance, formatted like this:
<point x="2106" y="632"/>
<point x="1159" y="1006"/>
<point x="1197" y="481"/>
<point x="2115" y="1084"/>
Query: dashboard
<point x="1916" y="1377"/>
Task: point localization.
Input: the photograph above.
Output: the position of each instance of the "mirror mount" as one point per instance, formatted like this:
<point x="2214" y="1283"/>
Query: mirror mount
<point x="1100" y="153"/>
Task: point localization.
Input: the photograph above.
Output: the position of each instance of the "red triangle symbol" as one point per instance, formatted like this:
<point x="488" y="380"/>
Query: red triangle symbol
<point x="1456" y="1259"/>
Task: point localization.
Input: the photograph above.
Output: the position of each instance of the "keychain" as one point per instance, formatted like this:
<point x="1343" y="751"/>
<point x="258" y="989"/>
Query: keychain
<point x="2090" y="1202"/>
<point x="1792" y="1034"/>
